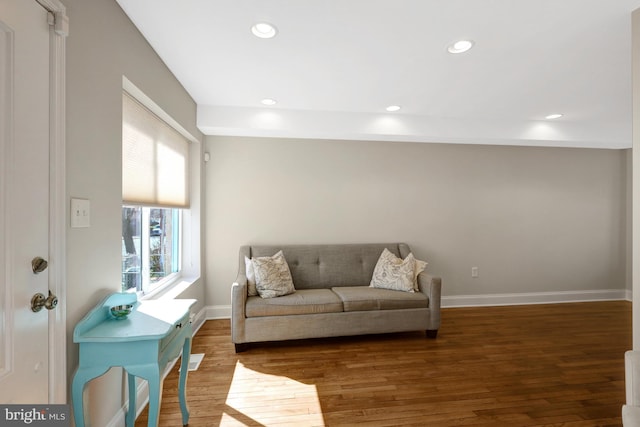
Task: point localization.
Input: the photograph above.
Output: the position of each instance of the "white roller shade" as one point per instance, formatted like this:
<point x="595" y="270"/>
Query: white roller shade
<point x="155" y="159"/>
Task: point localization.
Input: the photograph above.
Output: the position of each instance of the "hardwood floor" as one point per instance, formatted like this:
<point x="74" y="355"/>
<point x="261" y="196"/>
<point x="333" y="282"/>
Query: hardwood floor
<point x="536" y="365"/>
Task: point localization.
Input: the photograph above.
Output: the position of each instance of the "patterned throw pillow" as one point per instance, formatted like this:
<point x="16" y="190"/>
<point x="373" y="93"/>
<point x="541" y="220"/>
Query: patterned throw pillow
<point x="273" y="278"/>
<point x="394" y="273"/>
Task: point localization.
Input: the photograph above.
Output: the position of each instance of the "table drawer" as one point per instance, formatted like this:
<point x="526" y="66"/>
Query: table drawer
<point x="176" y="330"/>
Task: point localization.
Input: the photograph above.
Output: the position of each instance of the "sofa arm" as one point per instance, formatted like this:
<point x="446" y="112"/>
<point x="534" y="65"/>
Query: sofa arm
<point x="631" y="411"/>
<point x="431" y="286"/>
<point x="238" y="303"/>
<point x="632" y="377"/>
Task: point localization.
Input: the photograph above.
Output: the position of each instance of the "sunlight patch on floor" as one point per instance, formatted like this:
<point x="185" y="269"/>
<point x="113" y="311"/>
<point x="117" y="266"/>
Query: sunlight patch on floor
<point x="268" y="399"/>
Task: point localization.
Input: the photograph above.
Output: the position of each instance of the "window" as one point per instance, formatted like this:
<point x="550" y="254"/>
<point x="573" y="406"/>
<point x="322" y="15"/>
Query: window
<point x="150" y="246"/>
<point x="155" y="159"/>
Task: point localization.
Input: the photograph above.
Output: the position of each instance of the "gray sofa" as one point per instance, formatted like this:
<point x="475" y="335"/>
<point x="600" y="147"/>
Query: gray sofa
<point x="332" y="297"/>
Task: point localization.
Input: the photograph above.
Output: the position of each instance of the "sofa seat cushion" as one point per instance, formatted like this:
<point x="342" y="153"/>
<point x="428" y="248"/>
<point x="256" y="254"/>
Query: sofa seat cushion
<point x="365" y="298"/>
<point x="303" y="301"/>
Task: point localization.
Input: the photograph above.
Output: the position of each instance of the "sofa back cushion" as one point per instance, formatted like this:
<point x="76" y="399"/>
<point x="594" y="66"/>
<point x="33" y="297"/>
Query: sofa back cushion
<point x="326" y="266"/>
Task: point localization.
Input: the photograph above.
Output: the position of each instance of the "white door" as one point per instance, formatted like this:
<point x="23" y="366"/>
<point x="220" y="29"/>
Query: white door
<point x="24" y="199"/>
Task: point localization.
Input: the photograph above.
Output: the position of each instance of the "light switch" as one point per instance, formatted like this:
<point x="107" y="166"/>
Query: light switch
<point x="80" y="213"/>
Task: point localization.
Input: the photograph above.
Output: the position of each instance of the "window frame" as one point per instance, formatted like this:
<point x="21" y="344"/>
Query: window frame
<point x="147" y="286"/>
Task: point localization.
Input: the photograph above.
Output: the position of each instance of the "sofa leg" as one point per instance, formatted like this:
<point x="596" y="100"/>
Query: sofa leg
<point x="242" y="347"/>
<point x="432" y="333"/>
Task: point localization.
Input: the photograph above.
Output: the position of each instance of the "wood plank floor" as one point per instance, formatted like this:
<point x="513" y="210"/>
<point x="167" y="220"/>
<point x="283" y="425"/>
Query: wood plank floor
<point x="537" y="365"/>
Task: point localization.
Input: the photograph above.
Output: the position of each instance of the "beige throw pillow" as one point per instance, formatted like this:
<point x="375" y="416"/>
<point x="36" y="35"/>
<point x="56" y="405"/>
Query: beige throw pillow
<point x="251" y="277"/>
<point x="394" y="273"/>
<point x="420" y="267"/>
<point x="273" y="277"/>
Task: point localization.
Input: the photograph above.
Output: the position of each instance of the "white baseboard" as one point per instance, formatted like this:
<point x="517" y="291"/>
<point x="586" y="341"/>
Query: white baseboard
<point x="534" y="298"/>
<point x="198" y="319"/>
<point x="142" y="389"/>
<point x="218" y="312"/>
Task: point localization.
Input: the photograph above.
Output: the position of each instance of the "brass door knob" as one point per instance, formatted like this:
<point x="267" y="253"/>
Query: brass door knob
<point x="39" y="300"/>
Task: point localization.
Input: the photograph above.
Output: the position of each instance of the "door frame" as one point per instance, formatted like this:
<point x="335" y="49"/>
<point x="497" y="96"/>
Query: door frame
<point x="59" y="30"/>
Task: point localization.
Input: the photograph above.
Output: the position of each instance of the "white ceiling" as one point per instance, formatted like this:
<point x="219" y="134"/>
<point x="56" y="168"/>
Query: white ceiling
<point x="336" y="64"/>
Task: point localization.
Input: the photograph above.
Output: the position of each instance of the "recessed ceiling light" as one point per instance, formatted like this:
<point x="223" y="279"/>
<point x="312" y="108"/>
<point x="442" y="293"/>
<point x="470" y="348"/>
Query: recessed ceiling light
<point x="264" y="30"/>
<point x="553" y="116"/>
<point x="460" y="46"/>
<point x="268" y="101"/>
<point x="392" y="108"/>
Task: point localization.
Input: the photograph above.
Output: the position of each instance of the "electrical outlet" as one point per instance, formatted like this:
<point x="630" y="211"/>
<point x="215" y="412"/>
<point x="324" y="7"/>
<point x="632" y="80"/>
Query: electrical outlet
<point x="474" y="272"/>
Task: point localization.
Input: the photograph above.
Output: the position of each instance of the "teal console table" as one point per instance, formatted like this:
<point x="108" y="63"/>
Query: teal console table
<point x="143" y="344"/>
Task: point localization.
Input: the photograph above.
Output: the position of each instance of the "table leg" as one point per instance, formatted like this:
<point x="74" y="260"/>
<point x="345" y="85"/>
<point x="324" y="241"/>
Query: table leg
<point x="152" y="374"/>
<point x="182" y="385"/>
<point x="131" y="413"/>
<point x="155" y="397"/>
<point x="80" y="379"/>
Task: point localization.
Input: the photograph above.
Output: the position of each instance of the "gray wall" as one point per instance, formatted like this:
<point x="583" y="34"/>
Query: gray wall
<point x="635" y="55"/>
<point x="532" y="219"/>
<point x="103" y="45"/>
<point x="629" y="222"/>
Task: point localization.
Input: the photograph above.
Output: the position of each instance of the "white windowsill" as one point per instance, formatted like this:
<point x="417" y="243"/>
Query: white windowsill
<point x="170" y="290"/>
